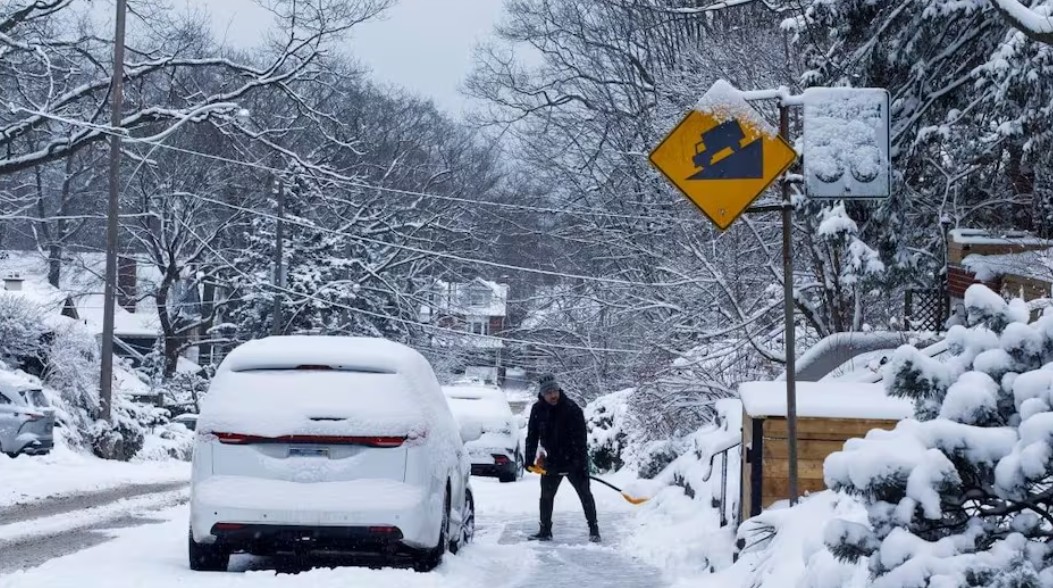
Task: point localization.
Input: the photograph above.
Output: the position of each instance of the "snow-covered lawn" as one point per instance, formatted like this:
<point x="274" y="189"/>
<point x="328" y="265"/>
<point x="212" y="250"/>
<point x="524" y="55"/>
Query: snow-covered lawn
<point x="154" y="555"/>
<point x="27" y="479"/>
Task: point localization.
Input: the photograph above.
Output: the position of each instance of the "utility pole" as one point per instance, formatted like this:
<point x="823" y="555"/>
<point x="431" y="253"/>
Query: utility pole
<point x="279" y="269"/>
<point x="112" y="214"/>
<point x="791" y="335"/>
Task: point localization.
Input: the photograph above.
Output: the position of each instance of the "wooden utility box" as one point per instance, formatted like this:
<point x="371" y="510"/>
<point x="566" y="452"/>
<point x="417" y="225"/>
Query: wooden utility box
<point x="828" y="414"/>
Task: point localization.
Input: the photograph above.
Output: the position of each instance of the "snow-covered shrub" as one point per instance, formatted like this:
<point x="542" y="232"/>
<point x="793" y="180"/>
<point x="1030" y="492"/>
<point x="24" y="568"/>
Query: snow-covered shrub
<point x="607" y="421"/>
<point x="72" y="370"/>
<point x="22" y="330"/>
<point x="959" y="496"/>
<point x="655" y="457"/>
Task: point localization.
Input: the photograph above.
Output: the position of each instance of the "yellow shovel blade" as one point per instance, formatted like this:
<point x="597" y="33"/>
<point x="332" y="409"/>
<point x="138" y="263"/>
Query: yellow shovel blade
<point x="633" y="500"/>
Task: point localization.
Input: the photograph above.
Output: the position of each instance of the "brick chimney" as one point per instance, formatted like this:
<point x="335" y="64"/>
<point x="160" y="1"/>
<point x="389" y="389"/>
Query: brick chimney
<point x="127" y="281"/>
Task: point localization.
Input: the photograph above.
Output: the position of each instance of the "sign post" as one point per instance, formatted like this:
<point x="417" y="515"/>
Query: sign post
<point x="723" y="155"/>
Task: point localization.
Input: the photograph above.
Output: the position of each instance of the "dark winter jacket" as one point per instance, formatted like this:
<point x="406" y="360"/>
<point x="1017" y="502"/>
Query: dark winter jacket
<point x="561" y="431"/>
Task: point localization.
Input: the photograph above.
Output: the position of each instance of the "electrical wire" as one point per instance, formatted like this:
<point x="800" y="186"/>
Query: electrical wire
<point x="425" y="326"/>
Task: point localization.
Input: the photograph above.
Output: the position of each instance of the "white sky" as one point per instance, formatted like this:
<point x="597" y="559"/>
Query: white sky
<point x="424" y="46"/>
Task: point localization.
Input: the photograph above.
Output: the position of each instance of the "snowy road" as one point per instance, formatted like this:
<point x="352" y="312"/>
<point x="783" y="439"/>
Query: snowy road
<point x="133" y="544"/>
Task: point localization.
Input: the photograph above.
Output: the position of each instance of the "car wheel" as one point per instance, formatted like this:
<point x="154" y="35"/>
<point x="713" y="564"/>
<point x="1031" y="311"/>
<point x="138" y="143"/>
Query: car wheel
<point x="520" y="466"/>
<point x="205" y="557"/>
<point x="433" y="557"/>
<point x="467" y="524"/>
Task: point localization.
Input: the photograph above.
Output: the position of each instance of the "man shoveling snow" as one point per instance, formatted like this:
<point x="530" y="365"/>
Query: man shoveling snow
<point x="559" y="424"/>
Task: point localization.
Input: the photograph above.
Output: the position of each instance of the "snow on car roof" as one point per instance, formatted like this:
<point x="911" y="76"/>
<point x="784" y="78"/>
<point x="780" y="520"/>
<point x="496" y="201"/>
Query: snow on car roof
<point x="374" y="385"/>
<point x="847" y="400"/>
<point x="364" y="354"/>
<point x="274" y="403"/>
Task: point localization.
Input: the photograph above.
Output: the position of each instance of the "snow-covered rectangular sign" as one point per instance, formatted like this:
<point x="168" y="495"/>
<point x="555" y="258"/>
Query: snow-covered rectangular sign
<point x="846" y="143"/>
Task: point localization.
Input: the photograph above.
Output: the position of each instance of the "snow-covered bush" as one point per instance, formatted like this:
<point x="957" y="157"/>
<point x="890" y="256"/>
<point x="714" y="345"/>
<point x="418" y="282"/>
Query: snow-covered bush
<point x="655" y="457"/>
<point x="960" y="496"/>
<point x="22" y="329"/>
<point x="607" y="421"/>
<point x="72" y="369"/>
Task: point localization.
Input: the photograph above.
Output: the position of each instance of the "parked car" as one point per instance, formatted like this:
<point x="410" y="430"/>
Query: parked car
<point x="328" y="444"/>
<point x="188" y="420"/>
<point x="498" y="451"/>
<point x="27" y="421"/>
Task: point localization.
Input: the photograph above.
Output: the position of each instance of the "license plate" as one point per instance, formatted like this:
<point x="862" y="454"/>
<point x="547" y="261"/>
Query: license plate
<point x="308" y="452"/>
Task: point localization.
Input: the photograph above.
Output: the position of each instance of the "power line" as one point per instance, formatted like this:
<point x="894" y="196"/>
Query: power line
<point x="425" y="326"/>
<point x="440" y="254"/>
<point x="344" y="180"/>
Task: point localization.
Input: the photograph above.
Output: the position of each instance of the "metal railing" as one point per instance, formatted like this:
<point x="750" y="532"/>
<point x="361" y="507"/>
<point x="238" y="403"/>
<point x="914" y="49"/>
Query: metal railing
<point x="722" y="503"/>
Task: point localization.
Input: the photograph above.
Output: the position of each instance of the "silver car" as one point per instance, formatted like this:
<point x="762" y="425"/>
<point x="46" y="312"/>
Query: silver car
<point x="26" y="422"/>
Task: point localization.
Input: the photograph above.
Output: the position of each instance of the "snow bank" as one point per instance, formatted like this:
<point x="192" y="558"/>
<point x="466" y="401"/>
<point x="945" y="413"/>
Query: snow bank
<point x="679" y="528"/>
<point x="786" y="547"/>
<point x="65" y="471"/>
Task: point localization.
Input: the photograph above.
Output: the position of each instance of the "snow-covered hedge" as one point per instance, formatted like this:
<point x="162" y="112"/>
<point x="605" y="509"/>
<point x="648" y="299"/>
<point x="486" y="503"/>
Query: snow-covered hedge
<point x="962" y="495"/>
<point x="22" y="329"/>
<point x="607" y="420"/>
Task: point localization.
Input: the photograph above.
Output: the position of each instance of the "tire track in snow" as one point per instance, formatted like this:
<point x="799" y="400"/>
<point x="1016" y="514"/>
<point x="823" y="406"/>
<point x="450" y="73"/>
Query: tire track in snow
<point x="31" y="542"/>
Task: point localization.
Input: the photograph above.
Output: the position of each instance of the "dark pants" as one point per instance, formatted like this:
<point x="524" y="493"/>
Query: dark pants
<point x="549" y="485"/>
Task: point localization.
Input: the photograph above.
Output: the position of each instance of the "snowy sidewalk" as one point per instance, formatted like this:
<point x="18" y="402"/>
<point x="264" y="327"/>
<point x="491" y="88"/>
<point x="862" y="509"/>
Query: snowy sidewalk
<point x="569" y="560"/>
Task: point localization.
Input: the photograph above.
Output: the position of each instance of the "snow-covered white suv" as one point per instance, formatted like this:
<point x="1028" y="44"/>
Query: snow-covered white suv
<point x="499" y="451"/>
<point x="337" y="444"/>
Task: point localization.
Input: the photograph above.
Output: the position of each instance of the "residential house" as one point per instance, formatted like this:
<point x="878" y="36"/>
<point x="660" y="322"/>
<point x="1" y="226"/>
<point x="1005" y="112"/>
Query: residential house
<point x="478" y="309"/>
<point x="1013" y="263"/>
<point x="80" y="296"/>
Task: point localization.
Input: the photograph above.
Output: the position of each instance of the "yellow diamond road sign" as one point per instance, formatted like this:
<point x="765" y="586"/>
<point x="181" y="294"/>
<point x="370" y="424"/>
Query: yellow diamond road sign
<point x="722" y="156"/>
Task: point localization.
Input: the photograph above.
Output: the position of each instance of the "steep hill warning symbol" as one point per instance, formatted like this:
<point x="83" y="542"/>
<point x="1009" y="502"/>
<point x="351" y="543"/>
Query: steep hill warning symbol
<point x="720" y="155"/>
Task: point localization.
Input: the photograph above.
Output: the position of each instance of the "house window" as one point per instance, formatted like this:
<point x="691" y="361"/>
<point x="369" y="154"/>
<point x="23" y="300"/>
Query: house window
<point x="479" y="297"/>
<point x="479" y="326"/>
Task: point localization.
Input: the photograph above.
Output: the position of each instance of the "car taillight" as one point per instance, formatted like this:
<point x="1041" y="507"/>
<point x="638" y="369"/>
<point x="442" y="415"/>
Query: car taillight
<point x="227" y="527"/>
<point x="369" y="441"/>
<point x="500" y="459"/>
<point x="33" y="417"/>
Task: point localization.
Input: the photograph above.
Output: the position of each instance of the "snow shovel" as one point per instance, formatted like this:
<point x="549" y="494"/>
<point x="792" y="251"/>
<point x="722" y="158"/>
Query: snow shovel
<point x="628" y="498"/>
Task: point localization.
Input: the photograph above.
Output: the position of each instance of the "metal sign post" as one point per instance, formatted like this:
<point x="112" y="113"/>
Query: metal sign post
<point x="788" y="303"/>
<point x="723" y="155"/>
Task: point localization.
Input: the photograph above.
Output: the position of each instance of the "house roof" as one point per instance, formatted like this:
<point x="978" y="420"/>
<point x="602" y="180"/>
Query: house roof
<point x="455" y="298"/>
<point x="991" y="237"/>
<point x="1036" y="264"/>
<point x="82" y="282"/>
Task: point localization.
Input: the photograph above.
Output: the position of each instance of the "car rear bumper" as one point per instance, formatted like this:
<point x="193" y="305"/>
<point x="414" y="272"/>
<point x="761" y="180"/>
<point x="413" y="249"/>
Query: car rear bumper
<point x="493" y="470"/>
<point x="30" y="444"/>
<point x="333" y="511"/>
<point x="271" y="538"/>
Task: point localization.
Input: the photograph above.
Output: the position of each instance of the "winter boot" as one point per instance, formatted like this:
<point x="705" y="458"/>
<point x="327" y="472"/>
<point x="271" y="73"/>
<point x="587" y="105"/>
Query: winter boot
<point x="543" y="534"/>
<point x="594" y="534"/>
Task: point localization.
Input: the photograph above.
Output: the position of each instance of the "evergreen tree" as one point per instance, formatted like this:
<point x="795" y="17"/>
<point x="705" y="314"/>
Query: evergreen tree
<point x="961" y="495"/>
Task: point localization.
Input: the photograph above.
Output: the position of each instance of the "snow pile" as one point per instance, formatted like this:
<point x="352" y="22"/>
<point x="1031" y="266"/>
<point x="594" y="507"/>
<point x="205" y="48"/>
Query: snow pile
<point x="66" y="471"/>
<point x="725" y="102"/>
<point x="786" y="547"/>
<point x="679" y="529"/>
<point x="955" y="497"/>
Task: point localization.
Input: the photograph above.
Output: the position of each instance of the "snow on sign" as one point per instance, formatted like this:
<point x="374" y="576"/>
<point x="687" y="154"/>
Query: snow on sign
<point x="846" y="143"/>
<point x="722" y="155"/>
